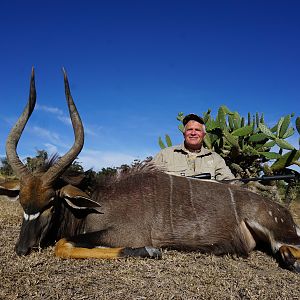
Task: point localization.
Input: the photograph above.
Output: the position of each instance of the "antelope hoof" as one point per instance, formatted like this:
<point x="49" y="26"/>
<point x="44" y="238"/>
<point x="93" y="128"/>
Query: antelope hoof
<point x="144" y="252"/>
<point x="154" y="252"/>
<point x="297" y="267"/>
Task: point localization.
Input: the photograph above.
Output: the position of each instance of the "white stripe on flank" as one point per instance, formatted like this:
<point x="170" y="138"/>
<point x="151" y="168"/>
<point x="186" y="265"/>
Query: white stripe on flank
<point x="234" y="205"/>
<point x="31" y="217"/>
<point x="171" y="202"/>
<point x="298" y="230"/>
<point x="192" y="200"/>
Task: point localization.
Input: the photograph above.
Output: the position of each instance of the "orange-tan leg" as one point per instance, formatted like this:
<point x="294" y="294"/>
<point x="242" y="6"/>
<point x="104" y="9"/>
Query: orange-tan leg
<point x="66" y="249"/>
<point x="290" y="256"/>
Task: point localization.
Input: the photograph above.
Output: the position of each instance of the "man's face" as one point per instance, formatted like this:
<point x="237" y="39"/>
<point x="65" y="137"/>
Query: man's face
<point x="193" y="135"/>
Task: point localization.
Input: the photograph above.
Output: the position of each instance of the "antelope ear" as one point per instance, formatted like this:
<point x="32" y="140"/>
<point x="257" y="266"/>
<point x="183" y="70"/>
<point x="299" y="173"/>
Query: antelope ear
<point x="10" y="189"/>
<point x="76" y="198"/>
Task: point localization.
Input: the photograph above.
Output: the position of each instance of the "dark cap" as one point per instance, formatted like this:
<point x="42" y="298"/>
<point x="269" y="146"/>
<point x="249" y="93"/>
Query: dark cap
<point x="191" y="117"/>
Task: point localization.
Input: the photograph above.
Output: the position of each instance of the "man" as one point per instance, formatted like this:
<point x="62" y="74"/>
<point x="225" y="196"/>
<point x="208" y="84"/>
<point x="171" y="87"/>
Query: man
<point x="191" y="158"/>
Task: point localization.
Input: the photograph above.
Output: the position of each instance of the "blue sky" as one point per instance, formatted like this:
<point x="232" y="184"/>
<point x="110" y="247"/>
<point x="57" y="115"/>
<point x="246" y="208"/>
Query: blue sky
<point x="133" y="65"/>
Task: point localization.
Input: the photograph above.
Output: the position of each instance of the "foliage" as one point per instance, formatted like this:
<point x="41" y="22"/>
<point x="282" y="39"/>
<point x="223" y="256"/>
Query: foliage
<point x="5" y="168"/>
<point x="76" y="167"/>
<point x="40" y="162"/>
<point x="37" y="162"/>
<point x="123" y="168"/>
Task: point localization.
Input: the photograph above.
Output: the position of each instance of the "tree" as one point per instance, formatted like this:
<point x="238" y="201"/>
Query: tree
<point x="38" y="162"/>
<point x="5" y="168"/>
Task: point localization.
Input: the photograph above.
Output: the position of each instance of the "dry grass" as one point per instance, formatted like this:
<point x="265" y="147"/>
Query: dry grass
<point x="177" y="276"/>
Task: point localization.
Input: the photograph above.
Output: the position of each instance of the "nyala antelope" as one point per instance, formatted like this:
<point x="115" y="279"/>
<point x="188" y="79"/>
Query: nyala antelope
<point x="141" y="211"/>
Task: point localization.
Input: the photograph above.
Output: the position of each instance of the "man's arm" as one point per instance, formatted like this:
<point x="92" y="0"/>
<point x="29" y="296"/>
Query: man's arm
<point x="222" y="170"/>
<point x="159" y="161"/>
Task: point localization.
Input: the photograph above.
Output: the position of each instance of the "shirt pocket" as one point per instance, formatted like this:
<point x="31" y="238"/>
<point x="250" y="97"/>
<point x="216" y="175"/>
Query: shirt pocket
<point x="178" y="169"/>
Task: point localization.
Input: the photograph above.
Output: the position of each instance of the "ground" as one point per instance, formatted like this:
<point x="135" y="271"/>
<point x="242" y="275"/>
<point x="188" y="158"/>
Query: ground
<point x="177" y="275"/>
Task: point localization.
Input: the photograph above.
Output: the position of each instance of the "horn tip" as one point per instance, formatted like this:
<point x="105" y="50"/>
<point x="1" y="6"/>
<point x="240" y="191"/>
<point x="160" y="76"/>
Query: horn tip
<point x="32" y="71"/>
<point x="64" y="72"/>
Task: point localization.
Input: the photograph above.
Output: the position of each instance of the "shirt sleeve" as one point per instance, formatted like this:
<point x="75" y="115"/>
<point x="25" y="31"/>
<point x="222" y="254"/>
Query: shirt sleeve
<point x="222" y="170"/>
<point x="159" y="160"/>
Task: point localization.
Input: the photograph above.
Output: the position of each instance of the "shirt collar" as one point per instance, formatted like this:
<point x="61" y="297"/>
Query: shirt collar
<point x="181" y="148"/>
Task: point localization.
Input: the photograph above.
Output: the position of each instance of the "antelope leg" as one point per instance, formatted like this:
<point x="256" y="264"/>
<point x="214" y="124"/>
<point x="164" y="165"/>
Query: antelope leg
<point x="67" y="249"/>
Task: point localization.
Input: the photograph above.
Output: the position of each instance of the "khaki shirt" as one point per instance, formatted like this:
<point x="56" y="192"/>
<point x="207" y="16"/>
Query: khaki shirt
<point x="177" y="160"/>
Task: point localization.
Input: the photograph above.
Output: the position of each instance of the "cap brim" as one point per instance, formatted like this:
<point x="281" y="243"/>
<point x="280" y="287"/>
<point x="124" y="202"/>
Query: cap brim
<point x="192" y="117"/>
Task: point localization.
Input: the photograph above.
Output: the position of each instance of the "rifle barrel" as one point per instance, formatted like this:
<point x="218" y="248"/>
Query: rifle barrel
<point x="263" y="178"/>
<point x="245" y="180"/>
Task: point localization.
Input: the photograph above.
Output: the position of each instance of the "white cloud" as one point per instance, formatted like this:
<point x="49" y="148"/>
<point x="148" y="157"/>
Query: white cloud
<point x="50" y="109"/>
<point x="90" y="131"/>
<point x="46" y="134"/>
<point x="103" y="159"/>
<point x="10" y="120"/>
<point x="58" y="113"/>
<point x="50" y="148"/>
<point x="64" y="119"/>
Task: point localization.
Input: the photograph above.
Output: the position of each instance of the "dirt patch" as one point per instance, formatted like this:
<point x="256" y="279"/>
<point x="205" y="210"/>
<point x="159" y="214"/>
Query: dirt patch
<point x="177" y="276"/>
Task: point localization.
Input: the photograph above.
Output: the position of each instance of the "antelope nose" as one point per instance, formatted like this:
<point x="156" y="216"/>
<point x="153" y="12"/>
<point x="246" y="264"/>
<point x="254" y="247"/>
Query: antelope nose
<point x="21" y="250"/>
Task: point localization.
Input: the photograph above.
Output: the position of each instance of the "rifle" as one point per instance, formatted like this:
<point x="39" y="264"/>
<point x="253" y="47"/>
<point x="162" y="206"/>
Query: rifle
<point x="245" y="180"/>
